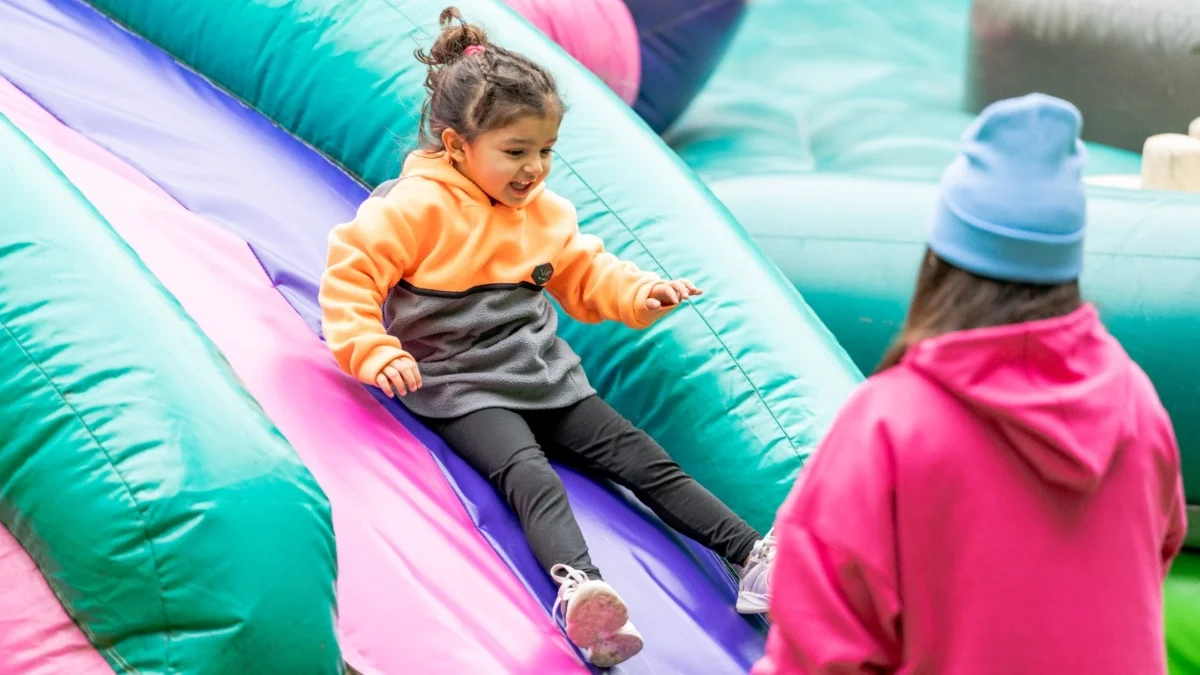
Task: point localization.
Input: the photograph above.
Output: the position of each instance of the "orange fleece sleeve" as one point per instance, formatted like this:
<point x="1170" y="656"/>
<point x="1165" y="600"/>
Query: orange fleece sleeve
<point x="593" y="285"/>
<point x="367" y="257"/>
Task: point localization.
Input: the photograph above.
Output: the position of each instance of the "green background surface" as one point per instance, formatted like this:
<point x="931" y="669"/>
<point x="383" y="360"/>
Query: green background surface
<point x="1183" y="615"/>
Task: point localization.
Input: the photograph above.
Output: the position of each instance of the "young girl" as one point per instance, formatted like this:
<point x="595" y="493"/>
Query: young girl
<point x="453" y="258"/>
<point x="1004" y="495"/>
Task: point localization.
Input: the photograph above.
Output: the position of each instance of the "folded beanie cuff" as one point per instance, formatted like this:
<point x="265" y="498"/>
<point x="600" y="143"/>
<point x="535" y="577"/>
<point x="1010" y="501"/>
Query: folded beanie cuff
<point x="1001" y="254"/>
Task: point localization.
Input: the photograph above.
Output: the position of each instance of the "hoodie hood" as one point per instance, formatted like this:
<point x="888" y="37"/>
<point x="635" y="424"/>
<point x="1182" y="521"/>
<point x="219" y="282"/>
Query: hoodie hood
<point x="436" y="167"/>
<point x="1059" y="390"/>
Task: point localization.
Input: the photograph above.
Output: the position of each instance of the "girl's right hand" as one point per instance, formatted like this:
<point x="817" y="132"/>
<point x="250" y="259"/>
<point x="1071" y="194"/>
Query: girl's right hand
<point x="399" y="377"/>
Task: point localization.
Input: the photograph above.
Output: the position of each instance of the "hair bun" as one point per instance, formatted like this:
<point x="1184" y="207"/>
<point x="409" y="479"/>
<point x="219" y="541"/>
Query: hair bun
<point x="456" y="36"/>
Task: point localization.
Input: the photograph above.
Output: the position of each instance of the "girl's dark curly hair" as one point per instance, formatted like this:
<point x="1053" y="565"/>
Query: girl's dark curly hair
<point x="475" y="86"/>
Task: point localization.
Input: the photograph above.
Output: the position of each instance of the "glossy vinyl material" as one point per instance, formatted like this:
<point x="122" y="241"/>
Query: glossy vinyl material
<point x="242" y="173"/>
<point x="1183" y="616"/>
<point x="168" y="514"/>
<point x="738" y="386"/>
<point x="1143" y="259"/>
<point x="854" y="86"/>
<point x="600" y="34"/>
<point x="682" y="42"/>
<point x="37" y="636"/>
<point x="401" y="530"/>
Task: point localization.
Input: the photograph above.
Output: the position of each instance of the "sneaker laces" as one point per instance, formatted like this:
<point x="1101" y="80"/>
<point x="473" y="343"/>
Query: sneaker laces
<point x="569" y="580"/>
<point x="764" y="550"/>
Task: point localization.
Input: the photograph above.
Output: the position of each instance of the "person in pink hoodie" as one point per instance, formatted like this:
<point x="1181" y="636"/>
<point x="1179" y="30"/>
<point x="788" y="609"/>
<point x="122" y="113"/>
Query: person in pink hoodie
<point x="1003" y="495"/>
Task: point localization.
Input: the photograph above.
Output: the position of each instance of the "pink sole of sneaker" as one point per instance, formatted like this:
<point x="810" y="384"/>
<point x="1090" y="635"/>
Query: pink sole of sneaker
<point x="595" y="616"/>
<point x="618" y="648"/>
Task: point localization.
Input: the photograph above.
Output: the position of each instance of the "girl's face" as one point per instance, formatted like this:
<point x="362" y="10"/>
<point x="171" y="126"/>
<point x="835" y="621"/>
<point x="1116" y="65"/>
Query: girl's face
<point x="509" y="162"/>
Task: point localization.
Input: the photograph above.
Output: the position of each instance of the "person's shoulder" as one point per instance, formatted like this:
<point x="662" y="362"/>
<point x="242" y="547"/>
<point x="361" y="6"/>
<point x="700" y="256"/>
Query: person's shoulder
<point x="896" y="403"/>
<point x="412" y="197"/>
<point x="1154" y="422"/>
<point x="407" y="189"/>
<point x="553" y="204"/>
<point x="899" y="388"/>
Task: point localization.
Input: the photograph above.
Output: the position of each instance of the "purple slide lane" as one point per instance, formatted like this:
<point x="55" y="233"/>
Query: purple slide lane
<point x="230" y="165"/>
<point x="419" y="589"/>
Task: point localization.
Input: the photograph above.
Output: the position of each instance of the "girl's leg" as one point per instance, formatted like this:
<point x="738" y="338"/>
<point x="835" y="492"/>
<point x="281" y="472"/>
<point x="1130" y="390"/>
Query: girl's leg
<point x="499" y="444"/>
<point x="592" y="434"/>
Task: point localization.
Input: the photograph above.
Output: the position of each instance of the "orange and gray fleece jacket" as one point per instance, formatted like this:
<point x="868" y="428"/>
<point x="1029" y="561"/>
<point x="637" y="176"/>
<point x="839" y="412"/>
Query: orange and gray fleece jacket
<point x="432" y="269"/>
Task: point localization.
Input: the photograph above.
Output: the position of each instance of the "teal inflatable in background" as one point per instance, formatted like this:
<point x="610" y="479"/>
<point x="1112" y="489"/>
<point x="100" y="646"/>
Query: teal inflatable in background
<point x="177" y="526"/>
<point x="826" y="140"/>
<point x="853" y="86"/>
<point x="739" y="386"/>
<point x="853" y="244"/>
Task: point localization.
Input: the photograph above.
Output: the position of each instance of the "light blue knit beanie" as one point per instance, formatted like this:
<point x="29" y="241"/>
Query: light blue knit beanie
<point x="1011" y="205"/>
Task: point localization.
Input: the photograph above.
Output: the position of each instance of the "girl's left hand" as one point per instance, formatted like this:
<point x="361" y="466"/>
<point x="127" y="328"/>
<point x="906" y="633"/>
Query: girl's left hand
<point x="666" y="294"/>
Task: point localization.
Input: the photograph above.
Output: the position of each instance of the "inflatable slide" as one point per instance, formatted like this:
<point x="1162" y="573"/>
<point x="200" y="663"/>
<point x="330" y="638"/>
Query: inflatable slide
<point x="180" y="165"/>
<point x="655" y="54"/>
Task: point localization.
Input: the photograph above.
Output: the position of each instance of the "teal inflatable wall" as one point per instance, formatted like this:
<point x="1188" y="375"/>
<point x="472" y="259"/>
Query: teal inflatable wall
<point x="739" y="387"/>
<point x="852" y="245"/>
<point x="174" y="522"/>
<point x="826" y="141"/>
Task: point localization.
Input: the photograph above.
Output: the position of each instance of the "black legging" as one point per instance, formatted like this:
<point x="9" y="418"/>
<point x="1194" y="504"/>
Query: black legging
<point x="511" y="449"/>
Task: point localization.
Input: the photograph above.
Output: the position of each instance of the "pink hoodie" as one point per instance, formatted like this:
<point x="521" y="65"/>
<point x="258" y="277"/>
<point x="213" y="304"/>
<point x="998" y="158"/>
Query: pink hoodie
<point x="1006" y="500"/>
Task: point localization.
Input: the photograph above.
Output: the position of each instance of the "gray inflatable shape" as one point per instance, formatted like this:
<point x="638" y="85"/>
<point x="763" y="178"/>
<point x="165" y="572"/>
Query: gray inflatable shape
<point x="1131" y="66"/>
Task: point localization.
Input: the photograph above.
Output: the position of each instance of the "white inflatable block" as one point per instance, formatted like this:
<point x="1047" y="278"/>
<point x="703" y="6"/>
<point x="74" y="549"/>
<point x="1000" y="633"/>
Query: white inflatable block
<point x="1171" y="162"/>
<point x="1194" y="130"/>
<point x="1116" y="180"/>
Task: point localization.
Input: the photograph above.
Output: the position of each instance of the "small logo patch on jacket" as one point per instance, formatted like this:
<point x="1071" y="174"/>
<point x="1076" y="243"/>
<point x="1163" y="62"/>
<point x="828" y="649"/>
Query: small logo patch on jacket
<point x="542" y="273"/>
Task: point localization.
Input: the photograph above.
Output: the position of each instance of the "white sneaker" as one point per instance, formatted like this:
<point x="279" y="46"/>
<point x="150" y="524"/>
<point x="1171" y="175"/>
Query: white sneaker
<point x="754" y="588"/>
<point x="616" y="648"/>
<point x="596" y="618"/>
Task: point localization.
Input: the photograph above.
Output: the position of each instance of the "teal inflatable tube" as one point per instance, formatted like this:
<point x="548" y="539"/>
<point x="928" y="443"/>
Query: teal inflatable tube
<point x="739" y="386"/>
<point x="852" y="246"/>
<point x="177" y="526"/>
<point x="873" y="88"/>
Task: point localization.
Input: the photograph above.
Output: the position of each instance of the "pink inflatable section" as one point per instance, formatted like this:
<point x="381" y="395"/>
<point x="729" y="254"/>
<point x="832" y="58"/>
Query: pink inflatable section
<point x="419" y="589"/>
<point x="600" y="34"/>
<point x="36" y="635"/>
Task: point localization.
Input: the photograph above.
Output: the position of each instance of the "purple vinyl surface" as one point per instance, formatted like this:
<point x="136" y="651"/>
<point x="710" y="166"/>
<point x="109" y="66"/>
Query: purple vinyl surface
<point x="233" y="166"/>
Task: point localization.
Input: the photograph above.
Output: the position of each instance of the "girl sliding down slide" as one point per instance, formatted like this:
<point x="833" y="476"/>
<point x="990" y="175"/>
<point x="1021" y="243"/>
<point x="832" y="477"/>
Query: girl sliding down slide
<point x="457" y="252"/>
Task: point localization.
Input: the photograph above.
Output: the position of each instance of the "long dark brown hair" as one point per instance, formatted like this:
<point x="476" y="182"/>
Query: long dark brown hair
<point x="949" y="298"/>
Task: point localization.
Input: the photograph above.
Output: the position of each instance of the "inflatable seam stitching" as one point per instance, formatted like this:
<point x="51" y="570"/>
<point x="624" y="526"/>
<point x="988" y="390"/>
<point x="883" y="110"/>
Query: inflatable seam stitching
<point x="221" y="88"/>
<point x="360" y="179"/>
<point x="125" y="484"/>
<point x="687" y="16"/>
<point x="757" y="392"/>
<point x="716" y="334"/>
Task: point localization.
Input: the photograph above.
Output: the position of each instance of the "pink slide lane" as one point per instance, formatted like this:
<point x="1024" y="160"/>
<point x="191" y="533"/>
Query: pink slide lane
<point x="36" y="635"/>
<point x="420" y="590"/>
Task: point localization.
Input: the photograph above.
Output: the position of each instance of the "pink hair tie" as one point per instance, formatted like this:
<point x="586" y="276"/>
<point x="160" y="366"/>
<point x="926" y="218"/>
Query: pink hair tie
<point x="473" y="50"/>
